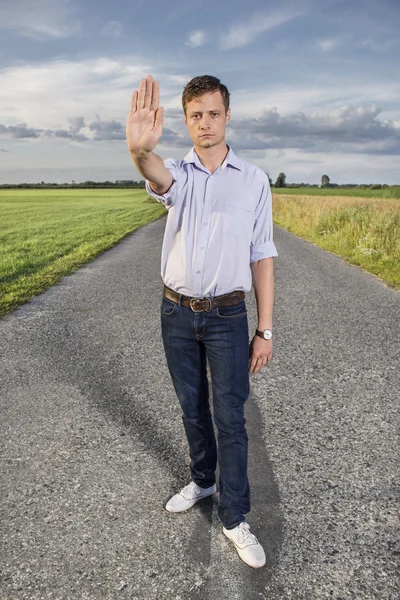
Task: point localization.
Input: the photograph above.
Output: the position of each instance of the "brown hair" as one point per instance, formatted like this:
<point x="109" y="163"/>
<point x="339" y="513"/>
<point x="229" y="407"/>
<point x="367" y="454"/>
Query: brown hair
<point x="204" y="84"/>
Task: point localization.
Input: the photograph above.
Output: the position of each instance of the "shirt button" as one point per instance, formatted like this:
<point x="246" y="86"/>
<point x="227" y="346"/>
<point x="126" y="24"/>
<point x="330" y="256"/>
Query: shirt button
<point x="206" y="223"/>
<point x="198" y="272"/>
<point x="202" y="248"/>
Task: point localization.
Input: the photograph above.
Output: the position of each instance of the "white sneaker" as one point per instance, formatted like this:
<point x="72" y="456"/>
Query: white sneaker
<point x="190" y="494"/>
<point x="247" y="545"/>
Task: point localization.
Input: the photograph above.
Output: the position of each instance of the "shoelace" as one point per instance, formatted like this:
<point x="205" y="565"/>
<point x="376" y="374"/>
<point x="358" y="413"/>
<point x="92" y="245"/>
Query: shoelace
<point x="245" y="537"/>
<point x="189" y="489"/>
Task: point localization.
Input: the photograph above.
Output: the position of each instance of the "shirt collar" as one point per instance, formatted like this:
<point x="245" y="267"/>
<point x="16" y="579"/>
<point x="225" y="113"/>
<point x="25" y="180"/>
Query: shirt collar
<point x="231" y="159"/>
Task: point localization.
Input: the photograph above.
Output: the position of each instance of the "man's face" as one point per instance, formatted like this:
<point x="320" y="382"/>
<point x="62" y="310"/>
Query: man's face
<point x="206" y="120"/>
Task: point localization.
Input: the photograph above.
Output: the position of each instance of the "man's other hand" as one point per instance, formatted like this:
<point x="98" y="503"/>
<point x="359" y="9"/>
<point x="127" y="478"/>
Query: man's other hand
<point x="260" y="353"/>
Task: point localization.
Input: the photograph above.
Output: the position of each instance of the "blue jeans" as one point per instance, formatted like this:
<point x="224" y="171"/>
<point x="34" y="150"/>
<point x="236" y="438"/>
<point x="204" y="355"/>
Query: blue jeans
<point x="221" y="336"/>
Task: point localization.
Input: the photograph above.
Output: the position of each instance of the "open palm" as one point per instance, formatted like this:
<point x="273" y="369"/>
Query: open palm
<point x="145" y="120"/>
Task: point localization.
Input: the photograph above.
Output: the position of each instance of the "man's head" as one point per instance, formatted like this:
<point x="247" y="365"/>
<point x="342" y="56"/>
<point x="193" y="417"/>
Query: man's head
<point x="205" y="103"/>
<point x="204" y="84"/>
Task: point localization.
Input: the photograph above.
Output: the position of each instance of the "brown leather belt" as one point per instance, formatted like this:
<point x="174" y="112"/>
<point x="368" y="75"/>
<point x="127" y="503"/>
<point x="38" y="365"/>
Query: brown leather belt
<point x="207" y="303"/>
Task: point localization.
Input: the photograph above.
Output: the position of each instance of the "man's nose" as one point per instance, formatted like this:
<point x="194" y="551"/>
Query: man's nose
<point x="205" y="122"/>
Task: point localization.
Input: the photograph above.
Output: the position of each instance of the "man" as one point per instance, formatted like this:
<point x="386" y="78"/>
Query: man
<point x="219" y="223"/>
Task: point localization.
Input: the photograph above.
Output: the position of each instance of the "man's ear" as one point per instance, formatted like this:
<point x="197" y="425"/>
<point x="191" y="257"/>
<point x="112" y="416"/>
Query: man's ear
<point x="228" y="115"/>
<point x="185" y="119"/>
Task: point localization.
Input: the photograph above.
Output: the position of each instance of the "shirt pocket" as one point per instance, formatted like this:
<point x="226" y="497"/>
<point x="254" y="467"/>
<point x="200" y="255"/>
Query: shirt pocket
<point x="238" y="220"/>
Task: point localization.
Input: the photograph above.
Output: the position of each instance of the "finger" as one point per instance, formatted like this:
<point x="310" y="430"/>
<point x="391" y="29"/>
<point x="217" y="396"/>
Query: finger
<point x="149" y="92"/>
<point x="257" y="367"/>
<point x="159" y="120"/>
<point x="134" y="98"/>
<point x="142" y="93"/>
<point x="261" y="362"/>
<point x="253" y="365"/>
<point x="156" y="95"/>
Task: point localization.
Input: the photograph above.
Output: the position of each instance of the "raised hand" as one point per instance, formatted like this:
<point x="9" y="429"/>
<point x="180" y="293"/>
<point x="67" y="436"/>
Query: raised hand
<point x="145" y="120"/>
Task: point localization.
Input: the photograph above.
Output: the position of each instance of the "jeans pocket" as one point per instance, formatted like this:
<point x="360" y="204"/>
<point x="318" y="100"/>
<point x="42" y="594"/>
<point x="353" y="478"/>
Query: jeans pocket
<point x="167" y="307"/>
<point x="232" y="312"/>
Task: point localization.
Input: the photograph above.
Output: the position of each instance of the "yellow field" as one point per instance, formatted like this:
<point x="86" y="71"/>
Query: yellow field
<point x="363" y="231"/>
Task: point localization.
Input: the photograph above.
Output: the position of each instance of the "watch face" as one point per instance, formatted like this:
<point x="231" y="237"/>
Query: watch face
<point x="267" y="334"/>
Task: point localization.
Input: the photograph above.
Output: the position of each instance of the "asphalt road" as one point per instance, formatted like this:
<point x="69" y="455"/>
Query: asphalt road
<point x="93" y="443"/>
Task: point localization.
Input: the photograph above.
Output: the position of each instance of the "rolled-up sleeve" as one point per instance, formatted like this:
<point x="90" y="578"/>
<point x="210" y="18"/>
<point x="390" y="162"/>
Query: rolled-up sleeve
<point x="262" y="245"/>
<point x="169" y="198"/>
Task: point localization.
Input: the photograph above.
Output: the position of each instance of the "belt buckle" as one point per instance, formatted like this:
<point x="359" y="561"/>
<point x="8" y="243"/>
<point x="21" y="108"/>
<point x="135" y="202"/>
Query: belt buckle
<point x="191" y="304"/>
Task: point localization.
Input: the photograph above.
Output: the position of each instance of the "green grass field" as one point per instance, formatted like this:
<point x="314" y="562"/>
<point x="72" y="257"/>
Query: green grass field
<point x="46" y="234"/>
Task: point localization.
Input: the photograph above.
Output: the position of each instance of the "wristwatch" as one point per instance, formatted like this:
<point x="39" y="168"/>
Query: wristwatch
<point x="266" y="334"/>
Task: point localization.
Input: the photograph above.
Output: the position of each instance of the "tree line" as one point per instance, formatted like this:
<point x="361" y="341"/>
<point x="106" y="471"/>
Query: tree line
<point x="280" y="182"/>
<point x="325" y="183"/>
<point x="122" y="183"/>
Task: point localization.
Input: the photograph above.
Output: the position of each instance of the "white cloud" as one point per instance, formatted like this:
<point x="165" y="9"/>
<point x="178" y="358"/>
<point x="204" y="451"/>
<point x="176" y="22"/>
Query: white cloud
<point x="39" y="19"/>
<point x="377" y="45"/>
<point x="48" y="107"/>
<point x="243" y="34"/>
<point x="178" y="79"/>
<point x="60" y="100"/>
<point x="348" y="129"/>
<point x="196" y="39"/>
<point x="331" y="92"/>
<point x="113" y="29"/>
<point x="350" y="41"/>
<point x="46" y="95"/>
<point x="327" y="45"/>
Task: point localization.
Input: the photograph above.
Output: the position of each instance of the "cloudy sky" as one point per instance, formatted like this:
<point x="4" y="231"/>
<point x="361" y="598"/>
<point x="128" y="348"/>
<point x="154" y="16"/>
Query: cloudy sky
<point x="315" y="84"/>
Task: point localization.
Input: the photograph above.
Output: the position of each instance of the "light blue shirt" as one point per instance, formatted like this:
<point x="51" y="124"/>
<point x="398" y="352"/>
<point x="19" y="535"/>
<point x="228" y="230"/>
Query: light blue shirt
<point x="218" y="224"/>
